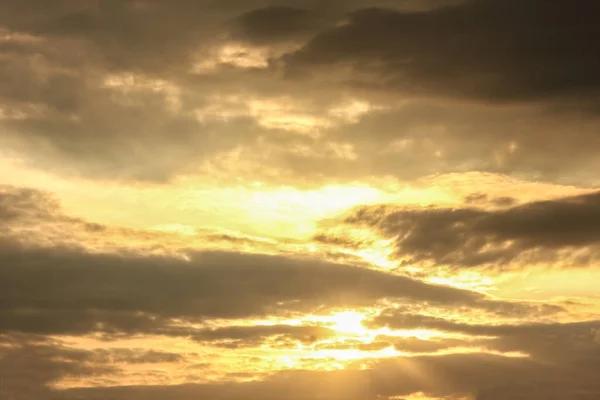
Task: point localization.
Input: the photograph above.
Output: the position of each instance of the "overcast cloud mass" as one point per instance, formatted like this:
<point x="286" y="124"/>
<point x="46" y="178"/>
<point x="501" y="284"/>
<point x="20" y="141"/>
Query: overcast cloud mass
<point x="299" y="199"/>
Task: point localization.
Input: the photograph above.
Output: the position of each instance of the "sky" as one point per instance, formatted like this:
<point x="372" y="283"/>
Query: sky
<point x="299" y="199"/>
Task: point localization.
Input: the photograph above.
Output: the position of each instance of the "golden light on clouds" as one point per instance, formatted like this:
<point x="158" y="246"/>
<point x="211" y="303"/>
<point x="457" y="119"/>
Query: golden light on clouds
<point x="354" y="200"/>
<point x="232" y="54"/>
<point x="348" y="322"/>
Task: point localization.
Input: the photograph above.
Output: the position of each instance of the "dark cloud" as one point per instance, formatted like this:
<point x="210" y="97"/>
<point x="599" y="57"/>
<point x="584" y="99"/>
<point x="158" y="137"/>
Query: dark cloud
<point x="112" y="324"/>
<point x="253" y="336"/>
<point x="446" y="377"/>
<point x="32" y="365"/>
<point x="48" y="288"/>
<point x="339" y="240"/>
<point x="29" y="366"/>
<point x="401" y="320"/>
<point x="490" y="49"/>
<point x="65" y="117"/>
<point x="273" y="24"/>
<point x="573" y="344"/>
<point x="212" y="285"/>
<point x="127" y="133"/>
<point x="63" y="290"/>
<point x="135" y="356"/>
<point x="424" y="137"/>
<point x="406" y="345"/>
<point x="481" y="199"/>
<point x="473" y="237"/>
<point x="58" y="113"/>
<point x="121" y="35"/>
<point x="127" y="35"/>
<point x="22" y="205"/>
<point x="32" y="217"/>
<point x="148" y="90"/>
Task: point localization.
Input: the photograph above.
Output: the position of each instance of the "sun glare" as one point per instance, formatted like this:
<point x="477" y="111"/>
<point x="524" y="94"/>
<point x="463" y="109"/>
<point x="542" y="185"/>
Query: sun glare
<point x="349" y="322"/>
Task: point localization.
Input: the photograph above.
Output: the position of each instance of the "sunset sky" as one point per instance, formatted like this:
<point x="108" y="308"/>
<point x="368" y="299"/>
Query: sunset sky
<point x="299" y="199"/>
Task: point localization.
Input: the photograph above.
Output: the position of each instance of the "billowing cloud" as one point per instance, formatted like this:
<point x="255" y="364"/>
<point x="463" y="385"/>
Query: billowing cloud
<point x="265" y="25"/>
<point x="135" y="356"/>
<point x="446" y="376"/>
<point x="211" y="285"/>
<point x="30" y="365"/>
<point x="251" y="336"/>
<point x="488" y="49"/>
<point x="552" y="231"/>
<point x="53" y="288"/>
<point x="97" y="90"/>
<point x="299" y="199"/>
<point x="565" y="344"/>
<point x="484" y="377"/>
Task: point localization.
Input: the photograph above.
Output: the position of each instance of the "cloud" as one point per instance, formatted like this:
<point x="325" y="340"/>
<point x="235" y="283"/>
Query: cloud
<point x="553" y="231"/>
<point x="411" y="345"/>
<point x="481" y="376"/>
<point x="36" y="218"/>
<point x="563" y="364"/>
<point x="145" y="91"/>
<point x="253" y="336"/>
<point x="486" y="49"/>
<point x="85" y="123"/>
<point x="68" y="287"/>
<point x="564" y="344"/>
<point x="211" y="285"/>
<point x="22" y="204"/>
<point x="29" y="366"/>
<point x="304" y="93"/>
<point x="270" y="24"/>
<point x="83" y="91"/>
<point x="135" y="356"/>
<point x="37" y="364"/>
<point x="68" y="290"/>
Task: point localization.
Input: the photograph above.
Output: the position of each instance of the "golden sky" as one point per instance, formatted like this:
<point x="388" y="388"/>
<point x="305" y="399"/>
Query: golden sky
<point x="299" y="200"/>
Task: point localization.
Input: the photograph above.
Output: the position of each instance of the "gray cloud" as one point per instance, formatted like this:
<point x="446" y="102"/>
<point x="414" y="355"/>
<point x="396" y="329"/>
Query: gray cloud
<point x="52" y="288"/>
<point x="135" y="356"/>
<point x="72" y="321"/>
<point x="22" y="205"/>
<point x="445" y="377"/>
<point x="57" y="112"/>
<point x="559" y="230"/>
<point x="213" y="285"/>
<point x="490" y="49"/>
<point x="34" y="364"/>
<point x="253" y="336"/>
<point x="406" y="345"/>
<point x="29" y="365"/>
<point x="483" y="199"/>
<point x="149" y="90"/>
<point x="273" y="24"/>
<point x="65" y="117"/>
<point x="561" y="343"/>
<point x="99" y="131"/>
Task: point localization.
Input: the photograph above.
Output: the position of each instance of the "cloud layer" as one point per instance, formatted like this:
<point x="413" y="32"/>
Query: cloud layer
<point x="146" y="91"/>
<point x="554" y="231"/>
<point x="180" y="165"/>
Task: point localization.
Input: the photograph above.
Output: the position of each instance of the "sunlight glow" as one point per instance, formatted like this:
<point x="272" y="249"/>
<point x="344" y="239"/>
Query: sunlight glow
<point x="299" y="200"/>
<point x="232" y="54"/>
<point x="466" y="280"/>
<point x="350" y="355"/>
<point x="349" y="322"/>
